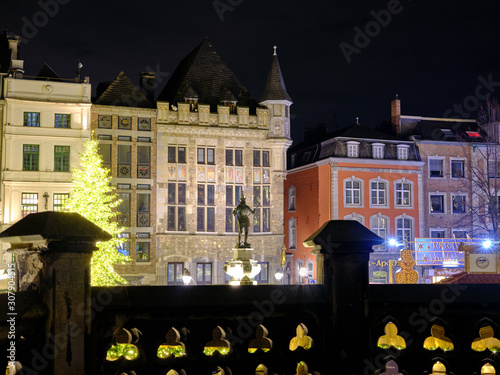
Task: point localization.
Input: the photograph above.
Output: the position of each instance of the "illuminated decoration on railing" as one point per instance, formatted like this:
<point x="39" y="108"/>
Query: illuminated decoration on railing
<point x="437" y="340"/>
<point x="301" y="339"/>
<point x="488" y="369"/>
<point x="218" y="343"/>
<point x="172" y="346"/>
<point x="486" y="341"/>
<point x="391" y="339"/>
<point x="302" y="369"/>
<point x="123" y="347"/>
<point x="438" y="369"/>
<point x="261" y="370"/>
<point x="391" y="368"/>
<point x="261" y="341"/>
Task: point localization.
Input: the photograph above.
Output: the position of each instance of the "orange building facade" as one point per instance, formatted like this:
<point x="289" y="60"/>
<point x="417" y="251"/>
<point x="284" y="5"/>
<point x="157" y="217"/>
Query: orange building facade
<point x="382" y="189"/>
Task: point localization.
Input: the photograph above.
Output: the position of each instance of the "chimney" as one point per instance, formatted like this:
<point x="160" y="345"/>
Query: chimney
<point x="147" y="85"/>
<point x="14" y="41"/>
<point x="396" y="116"/>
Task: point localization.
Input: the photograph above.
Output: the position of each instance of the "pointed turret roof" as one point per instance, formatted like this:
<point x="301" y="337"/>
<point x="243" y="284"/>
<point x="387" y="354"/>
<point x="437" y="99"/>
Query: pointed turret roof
<point x="275" y="85"/>
<point x="122" y="92"/>
<point x="47" y="73"/>
<point x="204" y="71"/>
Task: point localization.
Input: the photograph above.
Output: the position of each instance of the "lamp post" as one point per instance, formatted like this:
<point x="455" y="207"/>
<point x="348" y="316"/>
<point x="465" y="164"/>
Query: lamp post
<point x="302" y="273"/>
<point x="186" y="277"/>
<point x="279" y="275"/>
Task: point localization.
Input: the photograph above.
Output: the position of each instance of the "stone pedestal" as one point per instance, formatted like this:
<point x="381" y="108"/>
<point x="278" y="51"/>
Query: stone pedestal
<point x="242" y="268"/>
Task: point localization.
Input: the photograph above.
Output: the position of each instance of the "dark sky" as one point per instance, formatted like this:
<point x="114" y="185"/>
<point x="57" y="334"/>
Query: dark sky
<point x="432" y="53"/>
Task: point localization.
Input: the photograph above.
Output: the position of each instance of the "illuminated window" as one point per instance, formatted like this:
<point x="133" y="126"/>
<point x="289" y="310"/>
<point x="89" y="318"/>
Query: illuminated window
<point x="262" y="203"/>
<point x="29" y="204"/>
<point x="62" y="120"/>
<point x="233" y="195"/>
<point x="403" y="194"/>
<point x="203" y="273"/>
<point x="436" y="203"/>
<point x="174" y="273"/>
<point x="206" y="156"/>
<point x="61" y="158"/>
<point x="263" y="276"/>
<point x="378" y="150"/>
<point x="403" y="152"/>
<point x="457" y="168"/>
<point x="437" y="233"/>
<point x="142" y="252"/>
<point x="404" y="229"/>
<point x="292" y="234"/>
<point x="123" y="209"/>
<point x="205" y="209"/>
<point x="436" y="167"/>
<point x="292" y="192"/>
<point x="380" y="226"/>
<point x="143" y="162"/>
<point x="105" y="152"/>
<point x="32" y="119"/>
<point x="143" y="210"/>
<point x="124" y="247"/>
<point x="458" y="204"/>
<point x="59" y="200"/>
<point x="124" y="160"/>
<point x="352" y="149"/>
<point x="352" y="192"/>
<point x="378" y="193"/>
<point x="144" y="123"/>
<point x="176" y="206"/>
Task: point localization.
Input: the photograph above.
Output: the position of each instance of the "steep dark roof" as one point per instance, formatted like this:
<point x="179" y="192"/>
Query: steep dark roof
<point x="438" y="130"/>
<point x="47" y="73"/>
<point x="207" y="74"/>
<point x="122" y="92"/>
<point x="275" y="85"/>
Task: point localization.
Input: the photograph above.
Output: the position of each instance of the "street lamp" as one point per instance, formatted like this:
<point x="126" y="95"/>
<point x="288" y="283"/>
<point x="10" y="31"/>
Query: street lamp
<point x="279" y="275"/>
<point x="186" y="277"/>
<point x="303" y="272"/>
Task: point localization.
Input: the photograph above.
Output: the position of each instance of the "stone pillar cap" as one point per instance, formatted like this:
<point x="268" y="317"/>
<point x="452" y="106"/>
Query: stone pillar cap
<point x="338" y="233"/>
<point x="51" y="226"/>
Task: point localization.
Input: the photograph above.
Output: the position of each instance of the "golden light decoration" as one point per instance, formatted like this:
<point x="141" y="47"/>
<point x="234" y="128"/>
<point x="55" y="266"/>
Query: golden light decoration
<point x="437" y="340"/>
<point x="406" y="275"/>
<point x="301" y="339"/>
<point x="172" y="346"/>
<point x="218" y="343"/>
<point x="486" y="341"/>
<point x="391" y="338"/>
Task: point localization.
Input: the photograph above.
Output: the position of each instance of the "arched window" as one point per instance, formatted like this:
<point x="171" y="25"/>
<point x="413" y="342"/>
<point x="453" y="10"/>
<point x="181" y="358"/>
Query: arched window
<point x="292" y="234"/>
<point x="404" y="228"/>
<point x="292" y="193"/>
<point x="379" y="224"/>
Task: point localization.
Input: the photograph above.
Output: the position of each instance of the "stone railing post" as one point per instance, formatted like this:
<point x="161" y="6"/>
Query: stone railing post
<point x="344" y="247"/>
<point x="64" y="243"/>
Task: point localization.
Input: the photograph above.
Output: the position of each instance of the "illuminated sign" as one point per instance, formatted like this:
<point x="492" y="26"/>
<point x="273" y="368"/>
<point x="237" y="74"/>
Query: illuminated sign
<point x="439" y="252"/>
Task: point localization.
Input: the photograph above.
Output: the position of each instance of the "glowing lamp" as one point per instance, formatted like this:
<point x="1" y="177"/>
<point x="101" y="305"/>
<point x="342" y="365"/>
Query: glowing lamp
<point x="186" y="277"/>
<point x="487" y="244"/>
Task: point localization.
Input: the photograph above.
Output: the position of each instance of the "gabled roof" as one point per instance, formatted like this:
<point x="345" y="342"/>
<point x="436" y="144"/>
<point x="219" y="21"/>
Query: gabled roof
<point x="204" y="71"/>
<point x="275" y="85"/>
<point x="472" y="278"/>
<point x="47" y="73"/>
<point x="122" y="92"/>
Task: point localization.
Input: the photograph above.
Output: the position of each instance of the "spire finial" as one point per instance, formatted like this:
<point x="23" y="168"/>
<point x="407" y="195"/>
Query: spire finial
<point x="275" y="48"/>
<point x="397" y="96"/>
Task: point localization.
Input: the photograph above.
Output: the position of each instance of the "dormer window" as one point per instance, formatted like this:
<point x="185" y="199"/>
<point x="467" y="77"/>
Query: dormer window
<point x="231" y="104"/>
<point x="352" y="149"/>
<point x="378" y="150"/>
<point x="191" y="97"/>
<point x="403" y="152"/>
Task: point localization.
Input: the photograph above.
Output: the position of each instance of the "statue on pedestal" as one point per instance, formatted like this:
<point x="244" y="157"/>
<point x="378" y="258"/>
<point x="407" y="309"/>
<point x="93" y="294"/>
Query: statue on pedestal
<point x="241" y="212"/>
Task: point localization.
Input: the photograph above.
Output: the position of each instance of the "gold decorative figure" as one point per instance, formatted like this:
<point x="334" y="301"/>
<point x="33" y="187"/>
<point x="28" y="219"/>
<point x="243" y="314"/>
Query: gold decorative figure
<point x="218" y="343"/>
<point x="488" y="369"/>
<point x="391" y="338"/>
<point x="486" y="341"/>
<point x="301" y="339"/>
<point x="172" y="372"/>
<point x="437" y="340"/>
<point x="283" y="255"/>
<point x="261" y="341"/>
<point x="406" y="275"/>
<point x="123" y="346"/>
<point x="438" y="369"/>
<point x="261" y="370"/>
<point x="302" y="369"/>
<point x="241" y="212"/>
<point x="173" y="345"/>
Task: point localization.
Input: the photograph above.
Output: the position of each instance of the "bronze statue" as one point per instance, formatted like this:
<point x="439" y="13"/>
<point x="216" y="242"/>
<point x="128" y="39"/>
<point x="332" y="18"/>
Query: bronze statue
<point x="241" y="212"/>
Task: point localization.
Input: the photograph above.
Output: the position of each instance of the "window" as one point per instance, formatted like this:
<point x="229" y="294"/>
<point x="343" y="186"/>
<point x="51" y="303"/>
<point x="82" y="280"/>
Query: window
<point x="30" y="157"/>
<point x="205" y="214"/>
<point x="144" y="139"/>
<point x="436" y="168"/>
<point x="59" y="200"/>
<point x="265" y="159"/>
<point x="378" y="193"/>
<point x="125" y="122"/>
<point x="201" y="156"/>
<point x="144" y="123"/>
<point x="493" y="169"/>
<point x="233" y="196"/>
<point x="404" y="229"/>
<point x="61" y="158"/>
<point x="262" y="277"/>
<point x="105" y="152"/>
<point x="292" y="234"/>
<point x="437" y="233"/>
<point x="458" y="204"/>
<point x="352" y="149"/>
<point x="143" y="210"/>
<point x="62" y="120"/>
<point x="352" y="192"/>
<point x="457" y="168"/>
<point x="378" y="150"/>
<point x="123" y="209"/>
<point x="380" y="226"/>
<point x="310" y="269"/>
<point x="125" y="138"/>
<point x="262" y="203"/>
<point x="459" y="233"/>
<point x="403" y="152"/>
<point x="210" y="156"/>
<point x="176" y="154"/>
<point x="31" y="119"/>
<point x="29" y="204"/>
<point x="105" y="137"/>
<point x="292" y="193"/>
<point x="174" y="273"/>
<point x="143" y="162"/>
<point x="354" y="216"/>
<point x="124" y="247"/>
<point x="234" y="157"/>
<point x="437" y="203"/>
<point x="142" y="252"/>
<point x="256" y="158"/>
<point x="403" y="193"/>
<point x="104" y="121"/>
<point x="176" y="209"/>
<point x="124" y="159"/>
<point x="206" y="156"/>
<point x="203" y="273"/>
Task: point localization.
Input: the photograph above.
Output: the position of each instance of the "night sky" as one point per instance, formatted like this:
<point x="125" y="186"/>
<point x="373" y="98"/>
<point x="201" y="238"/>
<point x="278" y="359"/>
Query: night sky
<point x="435" y="54"/>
